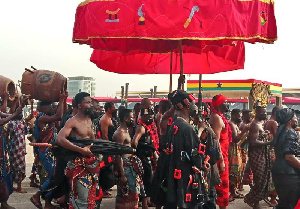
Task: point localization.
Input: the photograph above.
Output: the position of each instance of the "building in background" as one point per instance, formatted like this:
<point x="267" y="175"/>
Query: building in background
<point x="81" y="84"/>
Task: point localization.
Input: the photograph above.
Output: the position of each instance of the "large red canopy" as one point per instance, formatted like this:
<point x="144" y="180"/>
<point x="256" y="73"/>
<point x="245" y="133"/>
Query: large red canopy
<point x="157" y="25"/>
<point x="127" y="34"/>
<point x="211" y="59"/>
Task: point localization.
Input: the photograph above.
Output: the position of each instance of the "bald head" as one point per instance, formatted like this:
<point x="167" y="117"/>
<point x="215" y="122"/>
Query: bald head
<point x="146" y="103"/>
<point x="274" y="110"/>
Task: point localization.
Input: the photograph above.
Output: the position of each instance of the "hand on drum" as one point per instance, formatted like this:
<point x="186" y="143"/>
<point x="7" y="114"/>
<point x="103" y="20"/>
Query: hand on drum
<point x="64" y="95"/>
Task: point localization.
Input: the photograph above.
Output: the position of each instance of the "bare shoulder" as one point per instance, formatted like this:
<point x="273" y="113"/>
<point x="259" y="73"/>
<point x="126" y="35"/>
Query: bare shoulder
<point x="271" y="123"/>
<point x="71" y="122"/>
<point x="215" y="119"/>
<point x="119" y="135"/>
<point x="215" y="116"/>
<point x="104" y="120"/>
<point x="140" y="129"/>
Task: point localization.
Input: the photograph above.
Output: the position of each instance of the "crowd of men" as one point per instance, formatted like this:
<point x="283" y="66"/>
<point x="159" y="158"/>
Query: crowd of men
<point x="186" y="155"/>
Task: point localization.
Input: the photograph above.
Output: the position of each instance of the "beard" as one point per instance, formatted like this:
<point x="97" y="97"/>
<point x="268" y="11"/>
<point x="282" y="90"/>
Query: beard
<point x="238" y="121"/>
<point x="262" y="117"/>
<point x="130" y="124"/>
<point x="149" y="121"/>
<point x="90" y="112"/>
<point x="114" y="113"/>
<point x="225" y="107"/>
<point x="294" y="126"/>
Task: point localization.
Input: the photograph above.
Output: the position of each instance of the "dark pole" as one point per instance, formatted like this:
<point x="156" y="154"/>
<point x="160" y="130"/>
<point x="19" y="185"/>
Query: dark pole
<point x="126" y="93"/>
<point x="122" y="95"/>
<point x="200" y="91"/>
<point x="151" y="93"/>
<point x="171" y="72"/>
<point x="155" y="94"/>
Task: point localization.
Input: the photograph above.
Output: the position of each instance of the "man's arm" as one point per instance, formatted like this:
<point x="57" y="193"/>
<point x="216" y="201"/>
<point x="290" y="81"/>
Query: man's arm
<point x="62" y="140"/>
<point x="140" y="130"/>
<point x="181" y="81"/>
<point x="104" y="128"/>
<point x="235" y="136"/>
<point x="4" y="115"/>
<point x="30" y="116"/>
<point x="4" y="102"/>
<point x="58" y="115"/>
<point x="274" y="127"/>
<point x="253" y="136"/>
<point x="217" y="126"/>
<point x="10" y="117"/>
<point x="164" y="120"/>
<point x="293" y="161"/>
<point x="118" y="137"/>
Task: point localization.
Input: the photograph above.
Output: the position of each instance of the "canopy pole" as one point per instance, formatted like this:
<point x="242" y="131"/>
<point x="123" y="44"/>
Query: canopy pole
<point x="200" y="91"/>
<point x="181" y="61"/>
<point x="171" y="72"/>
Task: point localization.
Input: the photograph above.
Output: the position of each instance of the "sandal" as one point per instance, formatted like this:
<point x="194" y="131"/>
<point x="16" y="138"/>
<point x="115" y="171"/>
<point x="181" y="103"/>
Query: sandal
<point x="231" y="199"/>
<point x="37" y="204"/>
<point x="270" y="203"/>
<point x="33" y="184"/>
<point x="151" y="204"/>
<point x="107" y="195"/>
<point x="238" y="196"/>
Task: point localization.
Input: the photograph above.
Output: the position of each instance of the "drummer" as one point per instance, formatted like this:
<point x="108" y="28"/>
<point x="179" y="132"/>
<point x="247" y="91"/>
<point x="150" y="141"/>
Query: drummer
<point x="45" y="132"/>
<point x="81" y="172"/>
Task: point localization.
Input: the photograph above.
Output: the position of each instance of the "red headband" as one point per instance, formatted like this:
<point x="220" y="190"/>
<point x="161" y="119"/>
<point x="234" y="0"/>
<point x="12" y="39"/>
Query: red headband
<point x="220" y="99"/>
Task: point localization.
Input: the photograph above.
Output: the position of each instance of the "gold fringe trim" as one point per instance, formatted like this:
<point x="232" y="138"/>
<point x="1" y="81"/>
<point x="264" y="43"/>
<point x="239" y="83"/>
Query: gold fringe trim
<point x="89" y="1"/>
<point x="267" y="40"/>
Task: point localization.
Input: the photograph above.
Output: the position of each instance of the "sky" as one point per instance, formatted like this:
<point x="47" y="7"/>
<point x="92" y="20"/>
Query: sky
<point x="39" y="33"/>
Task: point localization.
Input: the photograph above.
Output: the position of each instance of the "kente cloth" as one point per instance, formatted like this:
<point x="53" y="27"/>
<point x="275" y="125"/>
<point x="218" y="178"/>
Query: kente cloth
<point x="248" y="176"/>
<point x="47" y="171"/>
<point x="235" y="162"/>
<point x="82" y="173"/>
<point x="260" y="163"/>
<point x="223" y="188"/>
<point x="273" y="158"/>
<point x="17" y="130"/>
<point x="246" y="173"/>
<point x="128" y="196"/>
<point x="5" y="172"/>
<point x="6" y="184"/>
<point x="152" y="129"/>
<point x="46" y="135"/>
<point x="183" y="181"/>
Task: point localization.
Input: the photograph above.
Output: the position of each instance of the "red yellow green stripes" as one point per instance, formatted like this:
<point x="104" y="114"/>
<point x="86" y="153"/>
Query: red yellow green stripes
<point x="230" y="85"/>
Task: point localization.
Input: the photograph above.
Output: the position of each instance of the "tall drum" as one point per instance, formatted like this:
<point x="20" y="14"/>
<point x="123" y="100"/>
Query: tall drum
<point x="7" y="86"/>
<point x="43" y="85"/>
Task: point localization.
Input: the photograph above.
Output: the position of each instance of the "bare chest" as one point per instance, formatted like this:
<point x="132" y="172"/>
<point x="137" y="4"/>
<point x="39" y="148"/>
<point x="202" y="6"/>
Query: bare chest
<point x="84" y="129"/>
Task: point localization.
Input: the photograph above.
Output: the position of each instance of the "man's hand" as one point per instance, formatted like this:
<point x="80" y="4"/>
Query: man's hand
<point x="63" y="96"/>
<point x="181" y="81"/>
<point x="202" y="125"/>
<point x="155" y="157"/>
<point x="206" y="168"/>
<point x="5" y="95"/>
<point x="222" y="167"/>
<point x="86" y="151"/>
<point x="18" y="111"/>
